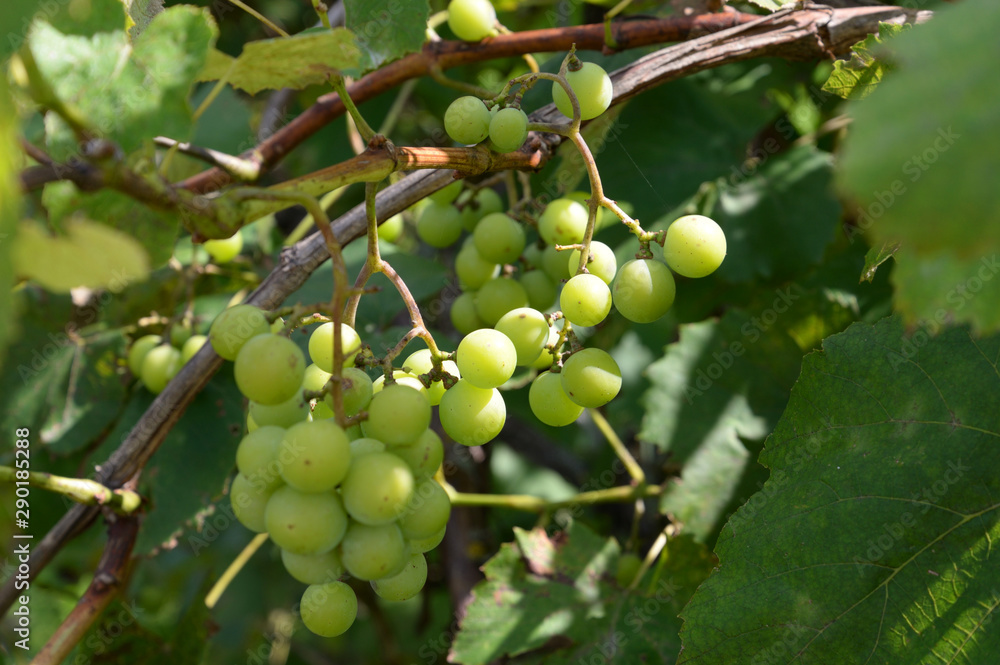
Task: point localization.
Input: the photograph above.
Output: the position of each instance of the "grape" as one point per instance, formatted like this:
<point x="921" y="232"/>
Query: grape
<point x="439" y="225"/>
<point x="486" y="358"/>
<point x="377" y="488"/>
<point x="695" y="246"/>
<point x="472" y="20"/>
<point x="602" y="261"/>
<point x="391" y="229"/>
<point x="527" y="329"/>
<point x="470" y="415"/>
<point x="373" y="552"/>
<point x="314" y="568"/>
<point x="322" y="411"/>
<point x="251" y="425"/>
<point x="644" y="290"/>
<point x="321" y="346"/>
<point x="257" y="456"/>
<point x="498" y="238"/>
<point x="426" y="512"/>
<point x="159" y="366"/>
<point x="467" y="120"/>
<point x="592" y="87"/>
<point x="497" y="297"/>
<point x="549" y="402"/>
<point x="403" y="378"/>
<point x="356" y="391"/>
<point x="140" y="348"/>
<point x="485" y="202"/>
<point x="330" y="609"/>
<point x="225" y="250"/>
<point x="554" y="264"/>
<point x="508" y="129"/>
<point x="354" y="432"/>
<point x="585" y="300"/>
<point x="420" y="362"/>
<point x="422" y="545"/>
<point x="463" y="314"/>
<point x="591" y="378"/>
<point x="234" y="326"/>
<point x="269" y="369"/>
<point x="315" y="378"/>
<point x="364" y="445"/>
<point x="564" y="222"/>
<point x="179" y="333"/>
<point x="294" y="410"/>
<point x="532" y="256"/>
<point x="545" y="358"/>
<point x="472" y="269"/>
<point x="604" y="216"/>
<point x="314" y="456"/>
<point x="425" y="455"/>
<point x="628" y="566"/>
<point x="305" y="522"/>
<point x="192" y="346"/>
<point x="405" y="584"/>
<point x="249" y="503"/>
<point x="447" y="194"/>
<point x="397" y="415"/>
<point x="540" y="288"/>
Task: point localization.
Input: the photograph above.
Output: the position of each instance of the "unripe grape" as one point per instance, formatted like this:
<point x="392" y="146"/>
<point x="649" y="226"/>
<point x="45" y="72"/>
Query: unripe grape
<point x="294" y="410"/>
<point x="470" y="415"/>
<point x="373" y="552"/>
<point x="314" y="456"/>
<point x="234" y="327"/>
<point x="257" y="456"/>
<point x="225" y="250"/>
<point x="356" y="390"/>
<point x="485" y="202"/>
<point x="695" y="246"/>
<point x="472" y="269"/>
<point x="628" y="566"/>
<point x="377" y="488"/>
<point x="269" y="369"/>
<point x="391" y="229"/>
<point x="472" y="20"/>
<point x="421" y="545"/>
<point x="463" y="314"/>
<point x="439" y="225"/>
<point x="592" y="87"/>
<point x="545" y="358"/>
<point x="508" y="129"/>
<point x="420" y="362"/>
<point x="467" y="120"/>
<point x="397" y="415"/>
<point x="540" y="288"/>
<point x="644" y="290"/>
<point x="249" y="502"/>
<point x="405" y="584"/>
<point x="191" y="347"/>
<point x="497" y="297"/>
<point x="314" y="568"/>
<point x="585" y="300"/>
<point x="549" y="401"/>
<point x="401" y="377"/>
<point x="602" y="261"/>
<point x="486" y="358"/>
<point x="498" y="238"/>
<point x="425" y="455"/>
<point x="364" y="446"/>
<point x="564" y="222"/>
<point x="159" y="366"/>
<point x="426" y="512"/>
<point x="321" y="346"/>
<point x="140" y="348"/>
<point x="554" y="263"/>
<point x="329" y="610"/>
<point x="528" y="330"/>
<point x="446" y="194"/>
<point x="305" y="522"/>
<point x="591" y="378"/>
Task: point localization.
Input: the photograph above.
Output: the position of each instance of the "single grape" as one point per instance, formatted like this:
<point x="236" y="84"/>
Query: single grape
<point x="305" y="522"/>
<point x="472" y="269"/>
<point x="498" y="238"/>
<point x="321" y="346"/>
<point x="602" y="261"/>
<point x="314" y="568"/>
<point x="373" y="552"/>
<point x="509" y="129"/>
<point x="554" y="264"/>
<point x="604" y="216"/>
<point x="354" y="432"/>
<point x="356" y="391"/>
<point x="314" y="456"/>
<point x="225" y="250"/>
<point x="426" y="512"/>
<point x="180" y="333"/>
<point x="564" y="222"/>
<point x="405" y="584"/>
<point x="321" y="411"/>
<point x="585" y="300"/>
<point x="472" y="20"/>
<point x="314" y="377"/>
<point x="486" y="358"/>
<point x="249" y="503"/>
<point x="540" y="288"/>
<point x="234" y="327"/>
<point x="447" y="194"/>
<point x="294" y="410"/>
<point x="364" y="446"/>
<point x="463" y="314"/>
<point x="424" y="456"/>
<point x="377" y="488"/>
<point x="159" y="366"/>
<point x="257" y="455"/>
<point x="422" y="545"/>
<point x="397" y="415"/>
<point x="420" y="362"/>
<point x="403" y="378"/>
<point x="628" y="566"/>
<point x="391" y="229"/>
<point x="592" y="87"/>
<point x="269" y="369"/>
<point x="532" y="256"/>
<point x="591" y="378"/>
<point x="470" y="415"/>
<point x="140" y="348"/>
<point x="439" y="225"/>
<point x="644" y="290"/>
<point x="467" y="120"/>
<point x="330" y="609"/>
<point x="485" y="202"/>
<point x="695" y="246"/>
<point x="192" y="346"/>
<point x="497" y="297"/>
<point x="550" y="403"/>
<point x="528" y="330"/>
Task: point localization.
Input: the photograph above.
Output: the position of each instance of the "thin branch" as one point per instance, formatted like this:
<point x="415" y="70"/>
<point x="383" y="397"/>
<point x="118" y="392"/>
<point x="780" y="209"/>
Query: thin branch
<point x="81" y="490"/>
<point x="244" y="169"/>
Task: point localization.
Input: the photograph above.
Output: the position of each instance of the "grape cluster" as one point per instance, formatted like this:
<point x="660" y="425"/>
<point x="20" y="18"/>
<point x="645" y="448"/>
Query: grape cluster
<point x="155" y="360"/>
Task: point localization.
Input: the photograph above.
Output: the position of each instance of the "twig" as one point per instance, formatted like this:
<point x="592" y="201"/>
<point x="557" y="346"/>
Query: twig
<point x="81" y="490"/>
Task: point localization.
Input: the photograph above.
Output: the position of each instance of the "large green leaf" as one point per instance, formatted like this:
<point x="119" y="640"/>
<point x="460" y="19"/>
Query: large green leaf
<point x="871" y="542"/>
<point x="386" y="30"/>
<point x="10" y="211"/>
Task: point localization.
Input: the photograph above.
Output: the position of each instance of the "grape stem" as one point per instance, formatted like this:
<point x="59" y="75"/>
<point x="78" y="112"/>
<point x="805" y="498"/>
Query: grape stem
<point x="634" y="469"/>
<point x="81" y="490"/>
<point x="534" y="504"/>
<point x="367" y="133"/>
<point x="234" y="568"/>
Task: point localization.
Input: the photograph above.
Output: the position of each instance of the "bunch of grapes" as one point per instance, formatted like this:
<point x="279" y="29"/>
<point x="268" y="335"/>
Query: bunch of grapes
<point x="156" y="361"/>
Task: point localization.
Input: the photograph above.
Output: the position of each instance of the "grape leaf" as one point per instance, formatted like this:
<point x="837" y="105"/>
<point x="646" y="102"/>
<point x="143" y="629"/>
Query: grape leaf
<point x="142" y="13"/>
<point x="15" y="14"/>
<point x="10" y="211"/>
<point x="87" y="18"/>
<point x="773" y="5"/>
<point x="871" y="541"/>
<point x="875" y="257"/>
<point x="858" y="77"/>
<point x="386" y="30"/>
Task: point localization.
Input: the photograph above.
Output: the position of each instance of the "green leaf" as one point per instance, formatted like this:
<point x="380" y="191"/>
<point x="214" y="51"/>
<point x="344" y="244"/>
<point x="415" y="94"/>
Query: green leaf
<point x="871" y="541"/>
<point x="875" y="257"/>
<point x="10" y="211"/>
<point x="858" y="77"/>
<point x="87" y="18"/>
<point x="386" y="30"/>
<point x="142" y="13"/>
<point x="285" y="62"/>
<point x="940" y="288"/>
<point x="15" y="15"/>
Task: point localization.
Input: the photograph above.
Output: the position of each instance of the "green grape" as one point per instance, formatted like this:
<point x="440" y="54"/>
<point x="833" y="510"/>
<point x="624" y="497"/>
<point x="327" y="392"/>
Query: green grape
<point x="644" y="290"/>
<point x="540" y="288"/>
<point x="403" y="378"/>
<point x="179" y="333"/>
<point x="422" y="545"/>
<point x="472" y="20"/>
<point x="498" y="238"/>
<point x="257" y="456"/>
<point x="420" y="362"/>
<point x="426" y="512"/>
<point x="554" y="264"/>
<point x="315" y="378"/>
<point x="440" y="225"/>
<point x="592" y="87"/>
<point x="532" y="256"/>
<point x="329" y="610"/>
<point x="251" y="425"/>
<point x="321" y="346"/>
<point x="695" y="246"/>
<point x="314" y="456"/>
<point x="467" y="120"/>
<point x="470" y="415"/>
<point x="364" y="446"/>
<point x="564" y="222"/>
<point x="545" y="358"/>
<point x="424" y="456"/>
<point x="269" y="369"/>
<point x="397" y="415"/>
<point x="405" y="584"/>
<point x="249" y="503"/>
<point x="508" y="129"/>
<point x="628" y="567"/>
<point x="549" y="402"/>
<point x="354" y="432"/>
<point x="322" y="411"/>
<point x="140" y="348"/>
<point x="602" y="261"/>
<point x="447" y="194"/>
<point x="305" y="522"/>
<point x="294" y="410"/>
<point x="373" y="552"/>
<point x="377" y="488"/>
<point x="486" y="358"/>
<point x="391" y="229"/>
<point x="159" y="366"/>
<point x="191" y="347"/>
<point x="314" y="568"/>
<point x="472" y="269"/>
<point x="356" y="391"/>
<point x="463" y="314"/>
<point x="497" y="297"/>
<point x="278" y="326"/>
<point x="591" y="378"/>
<point x="234" y="327"/>
<point x="528" y="330"/>
<point x="225" y="250"/>
<point x="485" y="202"/>
<point x="585" y="300"/>
<point x="604" y="216"/>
